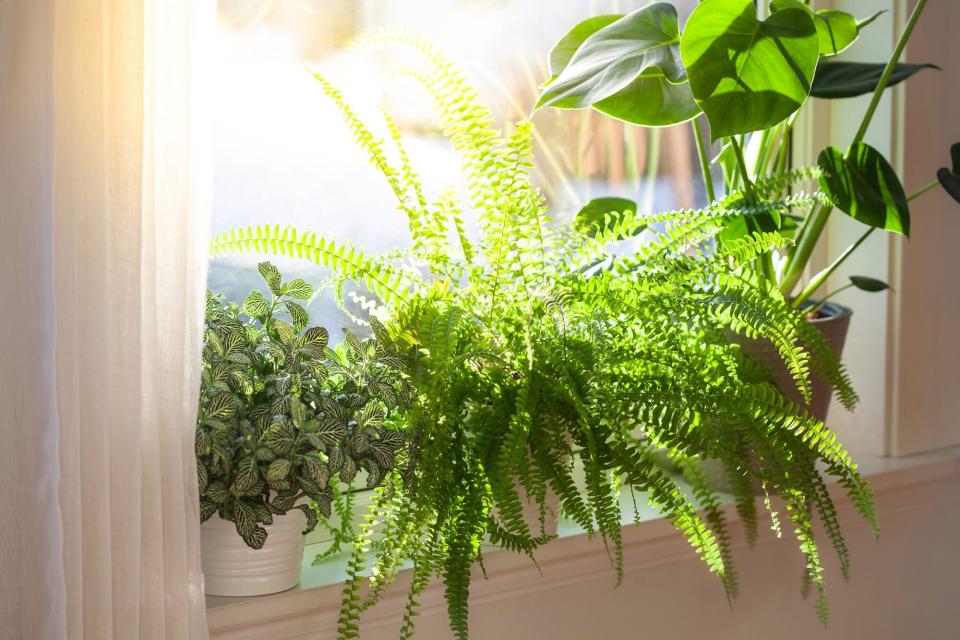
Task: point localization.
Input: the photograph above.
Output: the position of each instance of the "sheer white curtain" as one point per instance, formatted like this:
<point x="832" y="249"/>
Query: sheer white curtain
<point x="103" y="224"/>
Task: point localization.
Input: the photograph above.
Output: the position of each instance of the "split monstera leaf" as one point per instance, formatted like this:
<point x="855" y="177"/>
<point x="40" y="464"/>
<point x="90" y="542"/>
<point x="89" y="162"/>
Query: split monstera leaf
<point x="743" y="73"/>
<point x="747" y="73"/>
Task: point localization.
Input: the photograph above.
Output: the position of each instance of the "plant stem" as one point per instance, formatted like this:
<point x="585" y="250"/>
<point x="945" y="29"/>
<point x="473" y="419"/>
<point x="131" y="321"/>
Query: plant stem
<point x="653" y="169"/>
<point x="765" y="260"/>
<point x="812" y="228"/>
<point x="742" y="168"/>
<point x="704" y="160"/>
<point x="888" y="71"/>
<point x="821" y="277"/>
<point x="823" y="301"/>
<point x="922" y="190"/>
<point x="807" y="239"/>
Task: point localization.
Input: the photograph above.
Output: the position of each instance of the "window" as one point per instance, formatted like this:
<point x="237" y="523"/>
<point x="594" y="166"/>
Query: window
<point x="284" y="157"/>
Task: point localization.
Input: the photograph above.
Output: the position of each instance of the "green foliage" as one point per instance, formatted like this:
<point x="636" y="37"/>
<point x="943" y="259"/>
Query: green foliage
<point x="749" y="74"/>
<point x="628" y="68"/>
<point x="870" y="285"/>
<point x="863" y="185"/>
<point x="852" y="79"/>
<point x="949" y="178"/>
<point x="603" y="214"/>
<point x="282" y="415"/>
<point x="538" y="351"/>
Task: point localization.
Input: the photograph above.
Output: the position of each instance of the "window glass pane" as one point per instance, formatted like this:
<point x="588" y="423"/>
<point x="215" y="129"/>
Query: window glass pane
<point x="283" y="156"/>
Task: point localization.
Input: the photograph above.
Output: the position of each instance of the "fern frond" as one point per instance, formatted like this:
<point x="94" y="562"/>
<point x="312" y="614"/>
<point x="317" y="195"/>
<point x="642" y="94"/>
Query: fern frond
<point x="381" y="279"/>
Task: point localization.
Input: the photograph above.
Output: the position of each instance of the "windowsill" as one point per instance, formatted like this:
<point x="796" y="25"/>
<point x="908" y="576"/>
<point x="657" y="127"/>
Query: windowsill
<point x="573" y="556"/>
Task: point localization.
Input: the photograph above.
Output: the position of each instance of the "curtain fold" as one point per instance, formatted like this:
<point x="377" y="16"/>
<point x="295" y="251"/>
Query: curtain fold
<point x="105" y="181"/>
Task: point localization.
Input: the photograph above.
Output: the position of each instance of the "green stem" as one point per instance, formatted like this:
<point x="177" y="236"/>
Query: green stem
<point x="812" y="228"/>
<point x="704" y="160"/>
<point x="742" y="168"/>
<point x="767" y="139"/>
<point x="783" y="153"/>
<point x="823" y="301"/>
<point x="807" y="239"/>
<point x="888" y="71"/>
<point x="933" y="184"/>
<point x="835" y="292"/>
<point x="765" y="260"/>
<point x="821" y="277"/>
<point x="653" y="168"/>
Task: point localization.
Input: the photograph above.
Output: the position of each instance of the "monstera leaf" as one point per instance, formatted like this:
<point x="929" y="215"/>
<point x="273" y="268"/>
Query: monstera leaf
<point x="870" y="285"/>
<point x="863" y="185"/>
<point x="836" y="30"/>
<point x="626" y="67"/>
<point x="851" y="79"/>
<point x="601" y="212"/>
<point x="950" y="178"/>
<point x="745" y="73"/>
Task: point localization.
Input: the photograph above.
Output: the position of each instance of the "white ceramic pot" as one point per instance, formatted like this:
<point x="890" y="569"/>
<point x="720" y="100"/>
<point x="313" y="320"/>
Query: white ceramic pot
<point x="231" y="568"/>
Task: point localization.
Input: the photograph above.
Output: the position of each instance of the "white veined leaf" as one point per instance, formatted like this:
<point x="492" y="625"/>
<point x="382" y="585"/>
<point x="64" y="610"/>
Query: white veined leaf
<point x="217" y="492"/>
<point x="202" y="476"/>
<point x="315" y="340"/>
<point x="337" y="458"/>
<point x="312" y="520"/>
<point x="207" y="509"/>
<point x="324" y="502"/>
<point x="221" y="405"/>
<point x="298" y="412"/>
<point x="245" y="517"/>
<point x="247" y="474"/>
<point x="374" y="473"/>
<point x="316" y="470"/>
<point x="331" y="430"/>
<point x="315" y="441"/>
<point x="297" y="314"/>
<point x="285" y="332"/>
<point x="298" y="288"/>
<point x="354" y="343"/>
<point x="283" y="502"/>
<point x="349" y="470"/>
<point x="255" y="305"/>
<point x="371" y="415"/>
<point x="272" y="277"/>
<point x="278" y="470"/>
<point x="203" y="442"/>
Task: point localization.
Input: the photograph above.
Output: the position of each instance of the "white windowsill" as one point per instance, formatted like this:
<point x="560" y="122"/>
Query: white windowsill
<point x="572" y="557"/>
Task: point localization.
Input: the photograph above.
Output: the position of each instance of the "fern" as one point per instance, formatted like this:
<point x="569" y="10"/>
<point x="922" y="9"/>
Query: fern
<point x="535" y="349"/>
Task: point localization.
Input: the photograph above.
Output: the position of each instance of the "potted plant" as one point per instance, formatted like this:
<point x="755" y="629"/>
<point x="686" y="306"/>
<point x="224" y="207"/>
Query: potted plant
<point x="745" y="74"/>
<point x="536" y="349"/>
<point x="281" y="418"/>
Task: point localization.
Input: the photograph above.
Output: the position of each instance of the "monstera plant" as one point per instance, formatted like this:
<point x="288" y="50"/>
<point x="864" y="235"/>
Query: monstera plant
<point x="743" y="71"/>
<point x="747" y="76"/>
<point x="283" y="417"/>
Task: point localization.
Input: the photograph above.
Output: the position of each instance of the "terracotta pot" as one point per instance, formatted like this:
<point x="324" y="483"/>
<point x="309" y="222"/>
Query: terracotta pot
<point x="833" y="325"/>
<point x="231" y="568"/>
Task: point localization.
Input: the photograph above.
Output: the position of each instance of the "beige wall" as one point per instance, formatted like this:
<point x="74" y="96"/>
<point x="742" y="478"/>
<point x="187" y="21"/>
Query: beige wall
<point x="902" y="588"/>
<point x="927" y="384"/>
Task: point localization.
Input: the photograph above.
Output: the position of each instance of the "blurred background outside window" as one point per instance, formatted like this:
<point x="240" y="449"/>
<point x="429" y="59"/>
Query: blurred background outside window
<point x="283" y="155"/>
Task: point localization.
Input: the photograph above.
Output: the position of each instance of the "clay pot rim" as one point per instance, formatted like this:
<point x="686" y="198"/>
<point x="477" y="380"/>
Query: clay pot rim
<point x="832" y="312"/>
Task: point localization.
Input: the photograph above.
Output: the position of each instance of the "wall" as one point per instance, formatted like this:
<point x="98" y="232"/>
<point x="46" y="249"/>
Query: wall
<point x="903" y="587"/>
<point x="926" y="402"/>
